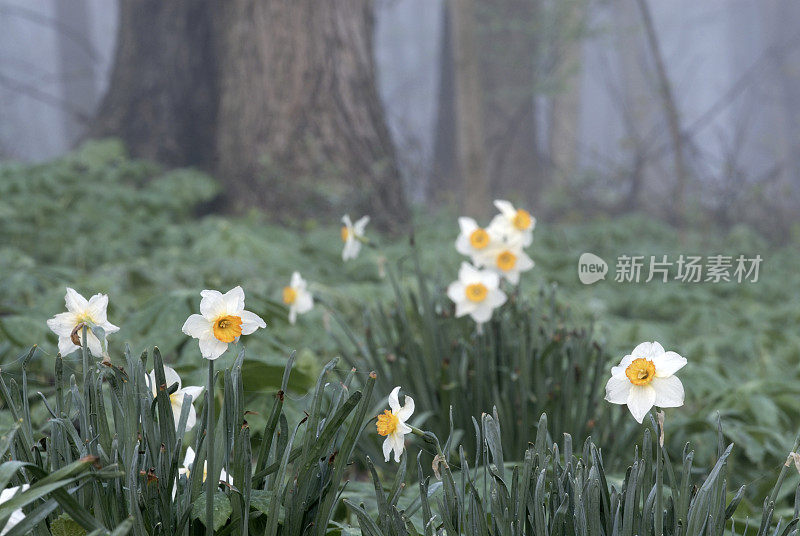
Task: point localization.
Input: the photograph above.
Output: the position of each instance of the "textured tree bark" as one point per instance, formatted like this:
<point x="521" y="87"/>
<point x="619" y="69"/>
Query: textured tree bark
<point x="162" y="96"/>
<point x="277" y="97"/>
<point x="476" y="195"/>
<point x="298" y="87"/>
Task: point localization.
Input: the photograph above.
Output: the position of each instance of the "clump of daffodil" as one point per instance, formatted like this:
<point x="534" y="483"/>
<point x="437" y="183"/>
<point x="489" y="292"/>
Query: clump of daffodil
<point x="499" y="247"/>
<point x="176" y="398"/>
<point x="476" y="293"/>
<point x="222" y="320"/>
<point x="392" y="425"/>
<point x="514" y="225"/>
<point x="81" y="313"/>
<point x="352" y="236"/>
<point x="646" y="378"/>
<point x="297" y="297"/>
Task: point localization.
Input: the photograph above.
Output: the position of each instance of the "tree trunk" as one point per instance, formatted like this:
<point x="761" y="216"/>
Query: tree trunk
<point x="162" y="96"/>
<point x="476" y="195"/>
<point x="443" y="182"/>
<point x="277" y="98"/>
<point x="508" y="49"/>
<point x="77" y="64"/>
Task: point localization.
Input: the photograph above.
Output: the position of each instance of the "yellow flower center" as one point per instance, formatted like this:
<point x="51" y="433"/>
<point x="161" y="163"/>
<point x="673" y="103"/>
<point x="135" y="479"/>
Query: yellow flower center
<point x="289" y="295"/>
<point x="506" y="261"/>
<point x="476" y="292"/>
<point x="641" y="371"/>
<point x="522" y="220"/>
<point x="479" y="239"/>
<point x="227" y="328"/>
<point x="387" y="423"/>
<point x="345" y="233"/>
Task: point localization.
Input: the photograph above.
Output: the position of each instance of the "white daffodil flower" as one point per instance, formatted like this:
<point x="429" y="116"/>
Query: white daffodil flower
<point x="475" y="242"/>
<point x="392" y="425"/>
<point x="80" y="312"/>
<point x="509" y="262"/>
<point x="514" y="225"/>
<point x="17" y="515"/>
<point x="476" y="293"/>
<point x="352" y="236"/>
<point x="297" y="297"/>
<point x="221" y="321"/>
<point x="188" y="463"/>
<point x="176" y="398"/>
<point x="645" y="378"/>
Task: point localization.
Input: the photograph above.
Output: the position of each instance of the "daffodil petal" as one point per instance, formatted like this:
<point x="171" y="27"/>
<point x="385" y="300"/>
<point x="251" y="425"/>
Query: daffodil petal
<point x="387" y="448"/>
<point x="305" y="302"/>
<point x="172" y="377"/>
<point x="234" y="301"/>
<point x="669" y="392"/>
<point x="94" y="344"/>
<point x="668" y="364"/>
<point x="482" y="314"/>
<point x="193" y="390"/>
<point x="617" y="390"/>
<point x="251" y="322"/>
<point x="63" y="323"/>
<point x="191" y="420"/>
<point x="394" y="401"/>
<point x="96" y="307"/>
<point x="405" y="412"/>
<point x="212" y="348"/>
<point x="212" y="304"/>
<point x="398" y="444"/>
<point x="640" y="399"/>
<point x="197" y="326"/>
<point x="66" y="346"/>
<point x="75" y="302"/>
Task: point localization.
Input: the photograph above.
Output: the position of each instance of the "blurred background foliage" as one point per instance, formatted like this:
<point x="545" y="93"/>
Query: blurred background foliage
<point x="101" y="222"/>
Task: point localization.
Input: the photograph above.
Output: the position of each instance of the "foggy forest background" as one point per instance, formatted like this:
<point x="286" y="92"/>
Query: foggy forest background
<point x="686" y="110"/>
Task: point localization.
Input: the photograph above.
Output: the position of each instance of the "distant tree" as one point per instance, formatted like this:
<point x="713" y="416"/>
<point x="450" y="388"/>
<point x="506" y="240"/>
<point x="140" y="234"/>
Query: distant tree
<point x="78" y="64"/>
<point x="277" y="98"/>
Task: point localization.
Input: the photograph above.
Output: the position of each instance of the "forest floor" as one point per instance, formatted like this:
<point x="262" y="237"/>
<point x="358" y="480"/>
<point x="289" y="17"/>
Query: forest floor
<point x="96" y="222"/>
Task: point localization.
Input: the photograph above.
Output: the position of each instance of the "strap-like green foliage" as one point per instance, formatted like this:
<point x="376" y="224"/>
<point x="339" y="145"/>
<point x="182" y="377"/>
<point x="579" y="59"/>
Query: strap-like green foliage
<point x="107" y="462"/>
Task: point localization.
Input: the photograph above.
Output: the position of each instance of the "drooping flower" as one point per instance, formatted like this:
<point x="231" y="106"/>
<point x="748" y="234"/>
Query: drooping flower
<point x="476" y="293"/>
<point x="297" y="297"/>
<point x="221" y="321"/>
<point x="392" y="425"/>
<point x="17" y="515"/>
<point x="509" y="262"/>
<point x="80" y="312"/>
<point x="176" y="398"/>
<point x="475" y="242"/>
<point x="646" y="378"/>
<point x="188" y="467"/>
<point x="352" y="236"/>
<point x="513" y="225"/>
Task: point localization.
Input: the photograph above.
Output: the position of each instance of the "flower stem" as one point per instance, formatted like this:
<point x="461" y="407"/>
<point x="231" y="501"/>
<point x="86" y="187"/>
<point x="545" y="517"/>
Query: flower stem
<point x="210" y="479"/>
<point x="659" y="514"/>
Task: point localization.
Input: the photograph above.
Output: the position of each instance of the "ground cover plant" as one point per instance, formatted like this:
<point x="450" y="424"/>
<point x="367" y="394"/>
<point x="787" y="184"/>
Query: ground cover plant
<point x="509" y="432"/>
